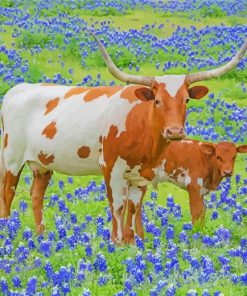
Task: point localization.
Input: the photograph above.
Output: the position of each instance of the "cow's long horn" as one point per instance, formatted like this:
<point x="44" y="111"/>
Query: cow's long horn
<point x="129" y="78"/>
<point x="219" y="71"/>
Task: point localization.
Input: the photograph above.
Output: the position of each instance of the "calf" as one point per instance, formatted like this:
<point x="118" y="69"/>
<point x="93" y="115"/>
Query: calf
<point x="195" y="166"/>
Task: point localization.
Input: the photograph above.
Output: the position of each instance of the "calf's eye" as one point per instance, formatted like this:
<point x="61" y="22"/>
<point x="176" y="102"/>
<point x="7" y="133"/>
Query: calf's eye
<point x="219" y="158"/>
<point x="157" y="102"/>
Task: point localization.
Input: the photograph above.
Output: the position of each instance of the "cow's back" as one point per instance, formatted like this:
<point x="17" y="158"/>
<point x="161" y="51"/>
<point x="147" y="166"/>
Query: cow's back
<point x="60" y="126"/>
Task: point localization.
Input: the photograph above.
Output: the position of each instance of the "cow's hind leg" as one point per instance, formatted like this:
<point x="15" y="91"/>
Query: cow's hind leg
<point x="40" y="183"/>
<point x="3" y="210"/>
<point x="10" y="184"/>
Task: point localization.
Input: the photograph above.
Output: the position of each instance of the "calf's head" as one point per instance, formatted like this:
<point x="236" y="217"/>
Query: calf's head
<point x="223" y="156"/>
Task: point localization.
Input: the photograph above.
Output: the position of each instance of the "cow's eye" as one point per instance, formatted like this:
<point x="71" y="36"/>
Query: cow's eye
<point x="234" y="158"/>
<point x="219" y="158"/>
<point x="157" y="102"/>
<point x="187" y="101"/>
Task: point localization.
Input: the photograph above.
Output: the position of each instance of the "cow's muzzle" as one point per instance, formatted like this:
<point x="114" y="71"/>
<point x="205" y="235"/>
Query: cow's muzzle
<point x="174" y="133"/>
<point x="227" y="173"/>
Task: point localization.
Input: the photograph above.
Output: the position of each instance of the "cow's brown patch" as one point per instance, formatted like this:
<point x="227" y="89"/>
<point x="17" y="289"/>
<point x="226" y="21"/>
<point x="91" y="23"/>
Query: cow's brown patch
<point x="51" y="105"/>
<point x="45" y="159"/>
<point x="83" y="152"/>
<point x="75" y="91"/>
<point x="97" y="92"/>
<point x="50" y="131"/>
<point x="129" y="93"/>
<point x="5" y="140"/>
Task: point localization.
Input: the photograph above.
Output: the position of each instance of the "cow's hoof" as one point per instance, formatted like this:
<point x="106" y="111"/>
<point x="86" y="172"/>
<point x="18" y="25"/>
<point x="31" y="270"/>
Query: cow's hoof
<point x="40" y="229"/>
<point x="129" y="237"/>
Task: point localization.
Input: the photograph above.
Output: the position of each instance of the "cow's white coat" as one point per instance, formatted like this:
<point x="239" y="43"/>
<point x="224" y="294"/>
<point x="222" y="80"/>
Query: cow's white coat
<point x="173" y="82"/>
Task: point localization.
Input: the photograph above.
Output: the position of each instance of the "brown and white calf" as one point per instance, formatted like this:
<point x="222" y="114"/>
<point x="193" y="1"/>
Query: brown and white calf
<point x="117" y="131"/>
<point x="197" y="167"/>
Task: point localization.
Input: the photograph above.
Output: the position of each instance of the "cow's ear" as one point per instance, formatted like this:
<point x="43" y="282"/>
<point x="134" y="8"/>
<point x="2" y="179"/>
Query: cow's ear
<point x="207" y="148"/>
<point x="144" y="94"/>
<point x="242" y="149"/>
<point x="197" y="92"/>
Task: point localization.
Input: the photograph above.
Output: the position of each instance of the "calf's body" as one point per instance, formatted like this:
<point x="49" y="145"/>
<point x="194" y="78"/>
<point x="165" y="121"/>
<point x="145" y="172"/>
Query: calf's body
<point x="195" y="166"/>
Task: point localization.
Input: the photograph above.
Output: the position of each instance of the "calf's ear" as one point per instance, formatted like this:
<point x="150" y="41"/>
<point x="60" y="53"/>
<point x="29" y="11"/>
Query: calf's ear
<point x="198" y="92"/>
<point x="207" y="148"/>
<point x="242" y="149"/>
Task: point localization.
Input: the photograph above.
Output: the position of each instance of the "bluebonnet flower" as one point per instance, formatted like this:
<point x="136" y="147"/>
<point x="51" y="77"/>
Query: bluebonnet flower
<point x="102" y="280"/>
<point x="23" y="206"/>
<point x="215" y="215"/>
<point x="45" y="248"/>
<point x="237" y="216"/>
<point x="139" y="243"/>
<point x="154" y="195"/>
<point x="88" y="250"/>
<point x="61" y="184"/>
<point x="48" y="270"/>
<point x="60" y="245"/>
<point x="21" y="252"/>
<point x="16" y="281"/>
<point x="170" y="233"/>
<point x="111" y="247"/>
<point x="183" y="237"/>
<point x="27" y="233"/>
<point x="4" y="286"/>
<point x="27" y="180"/>
<point x="171" y="290"/>
<point x="86" y="292"/>
<point x="100" y="263"/>
<point x="205" y="293"/>
<point x="31" y="244"/>
<point x="55" y="291"/>
<point x="31" y="285"/>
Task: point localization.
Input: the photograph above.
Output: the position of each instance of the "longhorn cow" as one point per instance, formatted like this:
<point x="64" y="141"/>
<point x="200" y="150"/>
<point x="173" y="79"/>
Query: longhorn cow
<point x="116" y="131"/>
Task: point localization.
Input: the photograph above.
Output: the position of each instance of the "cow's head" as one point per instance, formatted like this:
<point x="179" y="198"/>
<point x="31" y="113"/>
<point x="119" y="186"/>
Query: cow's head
<point x="170" y="93"/>
<point x="223" y="156"/>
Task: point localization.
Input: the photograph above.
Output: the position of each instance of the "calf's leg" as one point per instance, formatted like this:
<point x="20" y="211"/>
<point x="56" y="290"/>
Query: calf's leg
<point x="197" y="208"/>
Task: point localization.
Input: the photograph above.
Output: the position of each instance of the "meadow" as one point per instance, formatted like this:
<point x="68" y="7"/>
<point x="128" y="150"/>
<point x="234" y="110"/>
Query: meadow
<point x="45" y="41"/>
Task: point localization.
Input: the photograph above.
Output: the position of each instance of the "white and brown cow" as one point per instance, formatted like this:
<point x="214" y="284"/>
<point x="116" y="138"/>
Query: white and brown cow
<point x="195" y="166"/>
<point x="112" y="130"/>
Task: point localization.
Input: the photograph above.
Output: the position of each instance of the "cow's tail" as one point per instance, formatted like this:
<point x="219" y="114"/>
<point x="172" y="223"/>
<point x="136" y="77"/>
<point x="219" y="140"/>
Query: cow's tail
<point x="3" y="211"/>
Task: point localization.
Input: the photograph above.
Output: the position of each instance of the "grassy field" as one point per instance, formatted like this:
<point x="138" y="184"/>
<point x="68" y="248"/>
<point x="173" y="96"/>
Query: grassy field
<point x="46" y="53"/>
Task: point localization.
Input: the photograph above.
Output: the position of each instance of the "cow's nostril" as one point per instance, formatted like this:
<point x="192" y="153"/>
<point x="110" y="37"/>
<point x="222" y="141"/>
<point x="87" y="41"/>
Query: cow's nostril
<point x="228" y="172"/>
<point x="169" y="132"/>
<point x="181" y="131"/>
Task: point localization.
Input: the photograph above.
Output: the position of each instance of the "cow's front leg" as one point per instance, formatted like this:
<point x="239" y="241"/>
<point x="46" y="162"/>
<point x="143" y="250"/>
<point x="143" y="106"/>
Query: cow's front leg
<point x="117" y="191"/>
<point x="134" y="213"/>
<point x="197" y="208"/>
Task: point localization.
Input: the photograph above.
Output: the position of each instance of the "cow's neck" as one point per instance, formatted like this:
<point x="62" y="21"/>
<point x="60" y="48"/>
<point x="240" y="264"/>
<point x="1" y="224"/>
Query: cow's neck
<point x="152" y="134"/>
